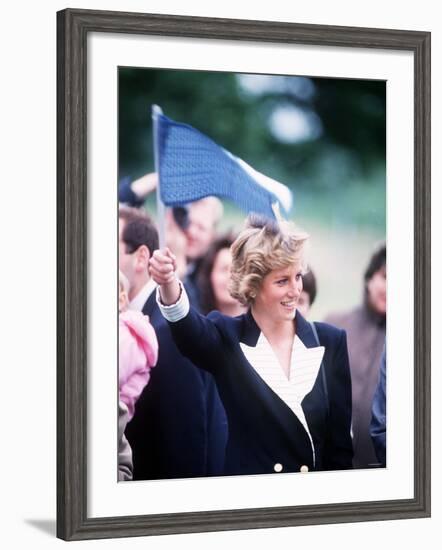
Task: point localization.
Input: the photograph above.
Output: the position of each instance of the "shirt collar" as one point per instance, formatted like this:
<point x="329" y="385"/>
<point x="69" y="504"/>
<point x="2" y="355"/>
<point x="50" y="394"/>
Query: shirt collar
<point x="141" y="298"/>
<point x="251" y="331"/>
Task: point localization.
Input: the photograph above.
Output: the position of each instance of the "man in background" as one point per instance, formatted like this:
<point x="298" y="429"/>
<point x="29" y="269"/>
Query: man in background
<point x="200" y="232"/>
<point x="196" y="223"/>
<point x="179" y="428"/>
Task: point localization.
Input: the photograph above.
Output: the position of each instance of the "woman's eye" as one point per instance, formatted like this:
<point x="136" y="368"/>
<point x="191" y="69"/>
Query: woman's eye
<point x="281" y="281"/>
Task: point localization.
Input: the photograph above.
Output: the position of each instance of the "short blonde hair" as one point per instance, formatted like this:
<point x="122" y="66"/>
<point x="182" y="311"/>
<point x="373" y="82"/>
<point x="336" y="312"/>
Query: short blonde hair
<point x="262" y="246"/>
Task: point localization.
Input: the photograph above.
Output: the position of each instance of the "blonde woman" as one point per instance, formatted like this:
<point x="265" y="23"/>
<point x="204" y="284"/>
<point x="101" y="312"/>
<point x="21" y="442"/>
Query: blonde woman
<point x="285" y="383"/>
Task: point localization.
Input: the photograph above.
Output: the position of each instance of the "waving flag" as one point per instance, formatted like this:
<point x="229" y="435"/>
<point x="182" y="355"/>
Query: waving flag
<point x="192" y="166"/>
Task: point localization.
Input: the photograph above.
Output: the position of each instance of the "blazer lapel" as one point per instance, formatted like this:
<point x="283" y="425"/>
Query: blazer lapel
<point x="304" y="331"/>
<point x="256" y="349"/>
<point x="250" y="330"/>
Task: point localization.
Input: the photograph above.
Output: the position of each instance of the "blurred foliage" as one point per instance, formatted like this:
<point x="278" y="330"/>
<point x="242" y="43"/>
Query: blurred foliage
<point x="343" y="157"/>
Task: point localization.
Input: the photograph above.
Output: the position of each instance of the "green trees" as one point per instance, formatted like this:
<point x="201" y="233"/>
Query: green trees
<point x="322" y="137"/>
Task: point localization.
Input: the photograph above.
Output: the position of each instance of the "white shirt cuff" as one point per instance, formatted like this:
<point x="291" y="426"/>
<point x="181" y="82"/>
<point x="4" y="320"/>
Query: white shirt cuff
<point x="177" y="311"/>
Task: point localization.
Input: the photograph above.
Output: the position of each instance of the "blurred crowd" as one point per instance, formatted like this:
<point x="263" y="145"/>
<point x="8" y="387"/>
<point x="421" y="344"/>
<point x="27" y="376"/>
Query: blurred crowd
<point x="172" y="420"/>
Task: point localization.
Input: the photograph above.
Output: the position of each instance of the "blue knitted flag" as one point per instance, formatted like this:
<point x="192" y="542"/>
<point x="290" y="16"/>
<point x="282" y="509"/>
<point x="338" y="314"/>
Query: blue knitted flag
<point x="192" y="166"/>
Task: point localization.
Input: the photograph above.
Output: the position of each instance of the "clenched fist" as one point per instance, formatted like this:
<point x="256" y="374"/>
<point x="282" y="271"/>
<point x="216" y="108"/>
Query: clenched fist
<point x="162" y="266"/>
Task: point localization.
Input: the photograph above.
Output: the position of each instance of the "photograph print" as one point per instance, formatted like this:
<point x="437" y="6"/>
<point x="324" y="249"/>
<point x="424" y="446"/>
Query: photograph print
<point x="252" y="274"/>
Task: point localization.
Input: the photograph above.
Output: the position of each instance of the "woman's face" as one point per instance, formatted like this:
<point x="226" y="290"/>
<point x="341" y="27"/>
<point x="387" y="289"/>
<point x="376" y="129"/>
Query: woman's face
<point x="377" y="291"/>
<point x="279" y="294"/>
<point x="220" y="277"/>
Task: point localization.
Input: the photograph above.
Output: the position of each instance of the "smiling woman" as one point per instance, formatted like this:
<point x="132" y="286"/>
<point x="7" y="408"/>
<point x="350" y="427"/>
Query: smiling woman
<point x="285" y="383"/>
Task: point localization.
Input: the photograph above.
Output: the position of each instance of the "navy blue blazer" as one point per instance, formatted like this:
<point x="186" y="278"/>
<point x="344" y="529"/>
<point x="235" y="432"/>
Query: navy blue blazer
<point x="264" y="434"/>
<point x="179" y="428"/>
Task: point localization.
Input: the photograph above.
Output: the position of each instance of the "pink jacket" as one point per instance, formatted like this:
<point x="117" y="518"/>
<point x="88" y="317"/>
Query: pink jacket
<point x="138" y="353"/>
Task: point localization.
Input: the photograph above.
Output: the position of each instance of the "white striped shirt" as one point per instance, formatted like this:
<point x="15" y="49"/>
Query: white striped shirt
<point x="304" y="368"/>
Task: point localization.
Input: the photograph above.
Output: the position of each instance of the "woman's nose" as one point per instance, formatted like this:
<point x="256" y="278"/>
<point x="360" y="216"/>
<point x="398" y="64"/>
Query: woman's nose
<point x="294" y="288"/>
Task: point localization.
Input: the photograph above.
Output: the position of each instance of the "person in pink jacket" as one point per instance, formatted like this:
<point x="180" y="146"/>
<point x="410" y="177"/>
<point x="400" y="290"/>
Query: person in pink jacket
<point x="138" y="349"/>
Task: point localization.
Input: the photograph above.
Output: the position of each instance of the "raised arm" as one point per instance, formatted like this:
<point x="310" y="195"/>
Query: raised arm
<point x="162" y="267"/>
<point x="196" y="336"/>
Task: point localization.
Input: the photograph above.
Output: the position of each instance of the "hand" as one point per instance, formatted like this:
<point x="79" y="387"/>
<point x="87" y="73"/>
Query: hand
<point x="162" y="266"/>
<point x="145" y="185"/>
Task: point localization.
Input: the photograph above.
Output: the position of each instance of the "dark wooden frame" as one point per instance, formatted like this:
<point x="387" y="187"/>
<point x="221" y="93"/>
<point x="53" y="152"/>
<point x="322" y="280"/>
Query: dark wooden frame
<point x="73" y="27"/>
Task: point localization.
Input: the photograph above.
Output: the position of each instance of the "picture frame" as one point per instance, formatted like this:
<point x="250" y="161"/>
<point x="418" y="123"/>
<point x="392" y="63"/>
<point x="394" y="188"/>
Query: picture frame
<point x="73" y="28"/>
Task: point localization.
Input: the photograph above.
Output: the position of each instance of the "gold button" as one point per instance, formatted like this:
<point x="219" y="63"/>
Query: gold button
<point x="303" y="469"/>
<point x="277" y="467"/>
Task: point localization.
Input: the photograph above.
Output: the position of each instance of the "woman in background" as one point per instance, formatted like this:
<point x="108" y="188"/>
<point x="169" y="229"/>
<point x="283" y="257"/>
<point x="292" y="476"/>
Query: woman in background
<point x="365" y="326"/>
<point x="308" y="293"/>
<point x="214" y="279"/>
